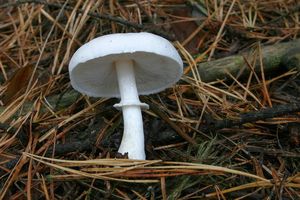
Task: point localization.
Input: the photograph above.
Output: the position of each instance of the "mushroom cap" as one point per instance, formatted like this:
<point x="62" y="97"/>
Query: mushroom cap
<point x="157" y="64"/>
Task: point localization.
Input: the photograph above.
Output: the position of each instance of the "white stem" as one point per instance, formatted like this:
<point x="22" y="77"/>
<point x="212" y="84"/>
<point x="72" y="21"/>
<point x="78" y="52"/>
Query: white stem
<point x="133" y="136"/>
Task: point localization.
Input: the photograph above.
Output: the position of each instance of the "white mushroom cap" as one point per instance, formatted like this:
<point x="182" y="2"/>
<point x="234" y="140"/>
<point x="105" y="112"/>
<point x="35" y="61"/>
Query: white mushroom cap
<point x="157" y="64"/>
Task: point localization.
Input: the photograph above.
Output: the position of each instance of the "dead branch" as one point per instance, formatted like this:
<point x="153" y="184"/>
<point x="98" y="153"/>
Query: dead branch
<point x="274" y="56"/>
<point x="268" y="113"/>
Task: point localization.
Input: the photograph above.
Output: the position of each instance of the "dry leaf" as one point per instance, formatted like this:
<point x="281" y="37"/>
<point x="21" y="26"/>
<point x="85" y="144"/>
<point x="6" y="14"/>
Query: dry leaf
<point x="17" y="84"/>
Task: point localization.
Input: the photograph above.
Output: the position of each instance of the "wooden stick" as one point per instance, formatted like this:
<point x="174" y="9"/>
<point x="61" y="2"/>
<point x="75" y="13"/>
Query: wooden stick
<point x="274" y="57"/>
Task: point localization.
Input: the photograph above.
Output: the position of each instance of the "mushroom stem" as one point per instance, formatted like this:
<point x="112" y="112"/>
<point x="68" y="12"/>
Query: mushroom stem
<point x="133" y="136"/>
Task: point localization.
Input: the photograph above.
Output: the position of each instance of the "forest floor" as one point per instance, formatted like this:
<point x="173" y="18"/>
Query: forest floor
<point x="229" y="129"/>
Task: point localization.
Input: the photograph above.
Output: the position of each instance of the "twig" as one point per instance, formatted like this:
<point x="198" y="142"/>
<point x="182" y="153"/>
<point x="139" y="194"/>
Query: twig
<point x="63" y="149"/>
<point x="273" y="152"/>
<point x="263" y="114"/>
<point x="94" y="15"/>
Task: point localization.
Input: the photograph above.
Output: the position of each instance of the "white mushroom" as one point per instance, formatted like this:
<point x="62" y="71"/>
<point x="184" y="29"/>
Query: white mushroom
<point x="125" y="65"/>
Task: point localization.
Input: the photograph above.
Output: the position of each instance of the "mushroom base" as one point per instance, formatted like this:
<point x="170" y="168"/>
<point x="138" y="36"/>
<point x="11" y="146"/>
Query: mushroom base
<point x="133" y="136"/>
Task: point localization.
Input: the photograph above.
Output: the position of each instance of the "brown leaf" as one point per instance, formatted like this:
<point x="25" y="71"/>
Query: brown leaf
<point x="17" y="84"/>
<point x="183" y="30"/>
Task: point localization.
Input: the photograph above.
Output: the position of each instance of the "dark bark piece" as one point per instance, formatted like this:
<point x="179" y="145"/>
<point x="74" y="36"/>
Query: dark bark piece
<point x="263" y="114"/>
<point x="272" y="152"/>
<point x="294" y="134"/>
